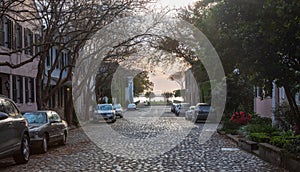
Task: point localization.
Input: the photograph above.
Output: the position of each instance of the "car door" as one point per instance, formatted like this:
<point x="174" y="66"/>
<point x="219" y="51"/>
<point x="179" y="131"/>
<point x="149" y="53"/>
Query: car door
<point x="51" y="127"/>
<point x="11" y="128"/>
<point x="57" y="125"/>
<point x="6" y="131"/>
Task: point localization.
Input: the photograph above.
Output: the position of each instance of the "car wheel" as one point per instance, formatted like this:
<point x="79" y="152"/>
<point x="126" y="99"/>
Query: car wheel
<point x="44" y="146"/>
<point x="24" y="153"/>
<point x="114" y="119"/>
<point x="63" y="141"/>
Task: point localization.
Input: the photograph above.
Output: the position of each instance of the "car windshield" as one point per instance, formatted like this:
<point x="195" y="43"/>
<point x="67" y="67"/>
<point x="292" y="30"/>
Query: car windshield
<point x="36" y="117"/>
<point x="118" y="106"/>
<point x="204" y="108"/>
<point x="105" y="107"/>
<point x="185" y="105"/>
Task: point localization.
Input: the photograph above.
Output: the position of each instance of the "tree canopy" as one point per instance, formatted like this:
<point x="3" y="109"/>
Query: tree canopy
<point x="142" y="83"/>
<point x="260" y="38"/>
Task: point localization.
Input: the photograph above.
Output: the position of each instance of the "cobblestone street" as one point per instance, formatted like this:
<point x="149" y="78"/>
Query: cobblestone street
<point x="81" y="154"/>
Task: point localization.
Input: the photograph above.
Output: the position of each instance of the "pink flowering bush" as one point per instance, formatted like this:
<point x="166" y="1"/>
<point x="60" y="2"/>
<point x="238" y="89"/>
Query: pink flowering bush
<point x="241" y="118"/>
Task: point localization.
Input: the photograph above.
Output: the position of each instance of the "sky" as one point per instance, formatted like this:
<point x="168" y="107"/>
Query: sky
<point x="161" y="82"/>
<point x="175" y="3"/>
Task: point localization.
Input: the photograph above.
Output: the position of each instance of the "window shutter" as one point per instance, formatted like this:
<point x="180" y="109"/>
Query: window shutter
<point x="26" y="40"/>
<point x="26" y="90"/>
<point x="1" y="32"/>
<point x="32" y="90"/>
<point x="31" y="42"/>
<point x="37" y="42"/>
<point x="10" y="33"/>
<point x="20" y="37"/>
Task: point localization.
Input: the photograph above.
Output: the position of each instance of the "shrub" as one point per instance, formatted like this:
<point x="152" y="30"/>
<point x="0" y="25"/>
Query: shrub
<point x="255" y="119"/>
<point x="259" y="137"/>
<point x="293" y="145"/>
<point x="230" y="127"/>
<point x="280" y="141"/>
<point x="241" y="118"/>
<point x="257" y="128"/>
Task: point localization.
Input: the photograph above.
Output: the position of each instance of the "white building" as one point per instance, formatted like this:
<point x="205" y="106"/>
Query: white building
<point x="19" y="83"/>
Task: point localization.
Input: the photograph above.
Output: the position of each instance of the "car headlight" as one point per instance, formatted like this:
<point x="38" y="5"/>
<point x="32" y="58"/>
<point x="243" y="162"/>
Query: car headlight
<point x="34" y="133"/>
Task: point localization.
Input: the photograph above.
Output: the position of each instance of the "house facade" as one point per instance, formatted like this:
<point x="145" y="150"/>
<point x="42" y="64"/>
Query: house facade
<point x="266" y="106"/>
<point x="191" y="89"/>
<point x="17" y="41"/>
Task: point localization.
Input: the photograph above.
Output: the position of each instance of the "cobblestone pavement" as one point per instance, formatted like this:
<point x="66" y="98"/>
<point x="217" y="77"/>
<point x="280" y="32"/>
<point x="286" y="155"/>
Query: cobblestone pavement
<point x="81" y="154"/>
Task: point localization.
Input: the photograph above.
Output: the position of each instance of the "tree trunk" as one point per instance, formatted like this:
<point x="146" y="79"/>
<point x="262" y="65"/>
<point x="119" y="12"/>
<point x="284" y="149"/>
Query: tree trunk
<point x="293" y="106"/>
<point x="39" y="85"/>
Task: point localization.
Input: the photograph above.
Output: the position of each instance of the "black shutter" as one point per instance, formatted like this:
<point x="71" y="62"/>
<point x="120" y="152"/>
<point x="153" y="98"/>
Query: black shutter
<point x="31" y="42"/>
<point x="26" y="40"/>
<point x="32" y="90"/>
<point x="20" y="37"/>
<point x="26" y="90"/>
<point x="2" y="32"/>
<point x="9" y="33"/>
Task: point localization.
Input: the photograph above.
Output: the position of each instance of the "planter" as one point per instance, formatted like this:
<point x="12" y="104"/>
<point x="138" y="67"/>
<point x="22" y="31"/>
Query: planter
<point x="221" y="132"/>
<point x="247" y="145"/>
<point x="271" y="154"/>
<point x="291" y="162"/>
<point x="234" y="138"/>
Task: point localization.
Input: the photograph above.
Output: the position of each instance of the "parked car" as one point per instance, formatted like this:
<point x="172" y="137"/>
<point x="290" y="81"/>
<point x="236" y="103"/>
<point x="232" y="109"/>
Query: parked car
<point x="119" y="110"/>
<point x="14" y="132"/>
<point x="173" y="107"/>
<point x="46" y="128"/>
<point x="106" y="112"/>
<point x="189" y="113"/>
<point x="131" y="106"/>
<point x="201" y="112"/>
<point x="181" y="109"/>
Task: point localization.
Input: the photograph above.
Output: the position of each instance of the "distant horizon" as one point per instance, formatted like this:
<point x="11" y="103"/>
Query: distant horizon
<point x="157" y="98"/>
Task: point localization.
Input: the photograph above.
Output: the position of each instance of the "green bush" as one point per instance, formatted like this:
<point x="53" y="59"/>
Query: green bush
<point x="280" y="141"/>
<point x="257" y="128"/>
<point x="259" y="137"/>
<point x="293" y="145"/>
<point x="230" y="127"/>
<point x="260" y="120"/>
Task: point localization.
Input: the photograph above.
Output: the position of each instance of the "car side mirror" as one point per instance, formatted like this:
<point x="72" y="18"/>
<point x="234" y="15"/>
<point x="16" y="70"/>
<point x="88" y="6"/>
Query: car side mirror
<point x="3" y="115"/>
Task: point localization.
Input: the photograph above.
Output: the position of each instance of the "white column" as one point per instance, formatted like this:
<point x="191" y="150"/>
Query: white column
<point x="273" y="103"/>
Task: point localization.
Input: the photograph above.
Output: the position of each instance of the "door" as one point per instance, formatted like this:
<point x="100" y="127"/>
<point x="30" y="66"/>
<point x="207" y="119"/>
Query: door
<point x="59" y="126"/>
<point x="10" y="138"/>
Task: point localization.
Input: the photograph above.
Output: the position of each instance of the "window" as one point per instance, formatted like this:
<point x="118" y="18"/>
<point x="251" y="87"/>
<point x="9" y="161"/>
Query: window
<point x="29" y="90"/>
<point x="37" y="41"/>
<point x="60" y="97"/>
<point x="7" y="33"/>
<point x="28" y="40"/>
<point x="51" y="102"/>
<point x="56" y="117"/>
<point x="53" y="116"/>
<point x="18" y="36"/>
<point x="10" y="109"/>
<point x="49" y="57"/>
<point x="17" y="89"/>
